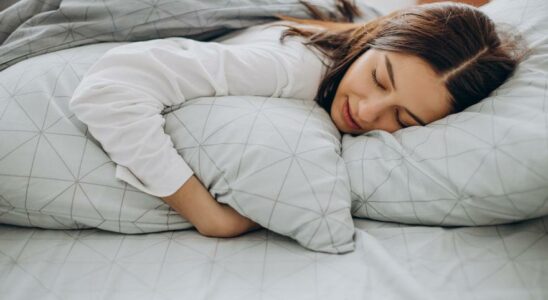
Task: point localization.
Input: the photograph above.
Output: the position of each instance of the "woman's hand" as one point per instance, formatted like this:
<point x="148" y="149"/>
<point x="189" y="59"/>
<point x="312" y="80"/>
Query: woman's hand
<point x="211" y="218"/>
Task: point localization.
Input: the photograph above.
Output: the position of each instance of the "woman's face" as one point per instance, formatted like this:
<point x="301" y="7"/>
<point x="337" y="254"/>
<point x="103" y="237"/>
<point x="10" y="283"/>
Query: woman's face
<point x="388" y="91"/>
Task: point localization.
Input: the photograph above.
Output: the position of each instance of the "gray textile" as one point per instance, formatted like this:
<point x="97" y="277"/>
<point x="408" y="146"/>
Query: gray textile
<point x="6" y="3"/>
<point x="391" y="261"/>
<point x="276" y="161"/>
<point x="32" y="27"/>
<point x="52" y="173"/>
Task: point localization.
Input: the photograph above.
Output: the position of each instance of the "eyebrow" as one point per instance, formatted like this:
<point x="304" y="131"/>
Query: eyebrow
<point x="390" y="71"/>
<point x="391" y="75"/>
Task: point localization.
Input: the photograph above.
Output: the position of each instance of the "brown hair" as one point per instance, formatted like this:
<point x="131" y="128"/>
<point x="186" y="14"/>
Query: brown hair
<point x="459" y="42"/>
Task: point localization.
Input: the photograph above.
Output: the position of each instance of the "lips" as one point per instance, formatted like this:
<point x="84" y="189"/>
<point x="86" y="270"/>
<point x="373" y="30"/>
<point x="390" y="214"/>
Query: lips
<point x="347" y="116"/>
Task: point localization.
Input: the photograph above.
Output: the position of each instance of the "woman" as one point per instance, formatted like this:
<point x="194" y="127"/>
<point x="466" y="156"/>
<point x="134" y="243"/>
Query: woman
<point x="409" y="68"/>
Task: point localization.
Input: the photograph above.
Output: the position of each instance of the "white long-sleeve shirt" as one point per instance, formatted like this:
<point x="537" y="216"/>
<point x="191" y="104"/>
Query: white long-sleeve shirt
<point x="122" y="95"/>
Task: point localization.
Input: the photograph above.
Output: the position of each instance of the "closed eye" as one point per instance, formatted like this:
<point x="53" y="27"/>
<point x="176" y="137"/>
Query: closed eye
<point x="377" y="83"/>
<point x="376" y="80"/>
<point x="397" y="116"/>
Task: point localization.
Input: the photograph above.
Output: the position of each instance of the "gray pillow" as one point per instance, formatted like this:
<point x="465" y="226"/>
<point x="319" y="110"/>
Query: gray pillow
<point x="276" y="161"/>
<point x="53" y="174"/>
<point x="486" y="165"/>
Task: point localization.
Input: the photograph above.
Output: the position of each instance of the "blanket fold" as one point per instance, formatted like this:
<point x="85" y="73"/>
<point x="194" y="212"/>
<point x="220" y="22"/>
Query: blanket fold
<point x="29" y="27"/>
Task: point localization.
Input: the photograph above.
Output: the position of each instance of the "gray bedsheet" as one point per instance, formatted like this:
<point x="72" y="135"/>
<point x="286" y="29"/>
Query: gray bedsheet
<point x="390" y="262"/>
<point x="30" y="27"/>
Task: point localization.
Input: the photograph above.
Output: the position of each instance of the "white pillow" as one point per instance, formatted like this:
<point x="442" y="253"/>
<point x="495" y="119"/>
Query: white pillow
<point x="52" y="173"/>
<point x="485" y="165"/>
<point x="276" y="161"/>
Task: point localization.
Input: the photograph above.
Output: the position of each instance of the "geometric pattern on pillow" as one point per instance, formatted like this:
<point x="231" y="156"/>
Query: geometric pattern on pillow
<point x="485" y="165"/>
<point x="53" y="174"/>
<point x="276" y="161"/>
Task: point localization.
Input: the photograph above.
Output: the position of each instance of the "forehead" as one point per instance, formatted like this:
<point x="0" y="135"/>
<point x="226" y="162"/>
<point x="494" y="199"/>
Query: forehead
<point x="418" y="87"/>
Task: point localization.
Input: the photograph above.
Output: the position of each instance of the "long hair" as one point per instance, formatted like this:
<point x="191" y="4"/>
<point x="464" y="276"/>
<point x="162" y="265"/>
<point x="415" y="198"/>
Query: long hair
<point x="460" y="43"/>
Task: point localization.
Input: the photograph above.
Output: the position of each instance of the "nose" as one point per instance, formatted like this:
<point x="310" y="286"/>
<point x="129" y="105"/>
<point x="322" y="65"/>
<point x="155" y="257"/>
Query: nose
<point x="371" y="109"/>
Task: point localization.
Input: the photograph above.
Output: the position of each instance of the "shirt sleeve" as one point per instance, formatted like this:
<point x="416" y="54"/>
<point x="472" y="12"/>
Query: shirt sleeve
<point x="122" y="96"/>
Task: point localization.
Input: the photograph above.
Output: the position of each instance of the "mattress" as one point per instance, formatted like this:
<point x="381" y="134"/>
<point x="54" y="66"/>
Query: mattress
<point x="391" y="261"/>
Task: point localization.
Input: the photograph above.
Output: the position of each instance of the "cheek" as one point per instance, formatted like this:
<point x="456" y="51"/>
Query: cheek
<point x="346" y="88"/>
<point x="358" y="84"/>
<point x="341" y="93"/>
<point x="336" y="106"/>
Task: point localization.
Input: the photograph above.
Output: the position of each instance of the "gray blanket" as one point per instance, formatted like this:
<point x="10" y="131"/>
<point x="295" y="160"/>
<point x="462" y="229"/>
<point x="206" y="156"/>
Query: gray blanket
<point x="33" y="27"/>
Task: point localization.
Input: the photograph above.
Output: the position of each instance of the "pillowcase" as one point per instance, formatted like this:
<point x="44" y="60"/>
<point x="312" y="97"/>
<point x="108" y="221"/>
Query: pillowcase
<point x="276" y="161"/>
<point x="53" y="174"/>
<point x="485" y="165"/>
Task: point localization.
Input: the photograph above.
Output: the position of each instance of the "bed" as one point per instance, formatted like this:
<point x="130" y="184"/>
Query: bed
<point x="60" y="239"/>
<point x="391" y="261"/>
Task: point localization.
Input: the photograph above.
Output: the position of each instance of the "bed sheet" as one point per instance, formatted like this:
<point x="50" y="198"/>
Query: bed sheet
<point x="391" y="261"/>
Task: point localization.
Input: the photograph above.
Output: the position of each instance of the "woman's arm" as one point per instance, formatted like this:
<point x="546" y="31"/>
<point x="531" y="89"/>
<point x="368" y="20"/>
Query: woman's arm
<point x="211" y="218"/>
<point x="122" y="96"/>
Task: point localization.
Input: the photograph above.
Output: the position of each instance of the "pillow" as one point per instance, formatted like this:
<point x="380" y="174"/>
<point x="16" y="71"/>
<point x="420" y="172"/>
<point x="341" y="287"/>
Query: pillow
<point x="53" y="174"/>
<point x="485" y="165"/>
<point x="276" y="161"/>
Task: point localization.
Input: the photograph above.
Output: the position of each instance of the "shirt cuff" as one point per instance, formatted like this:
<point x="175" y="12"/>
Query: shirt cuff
<point x="173" y="178"/>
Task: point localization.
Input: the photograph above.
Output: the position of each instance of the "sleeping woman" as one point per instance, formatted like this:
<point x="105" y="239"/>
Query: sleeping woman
<point x="409" y="68"/>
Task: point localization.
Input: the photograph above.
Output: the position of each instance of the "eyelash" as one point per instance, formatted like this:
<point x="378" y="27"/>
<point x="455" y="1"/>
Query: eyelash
<point x="398" y="120"/>
<point x="376" y="81"/>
